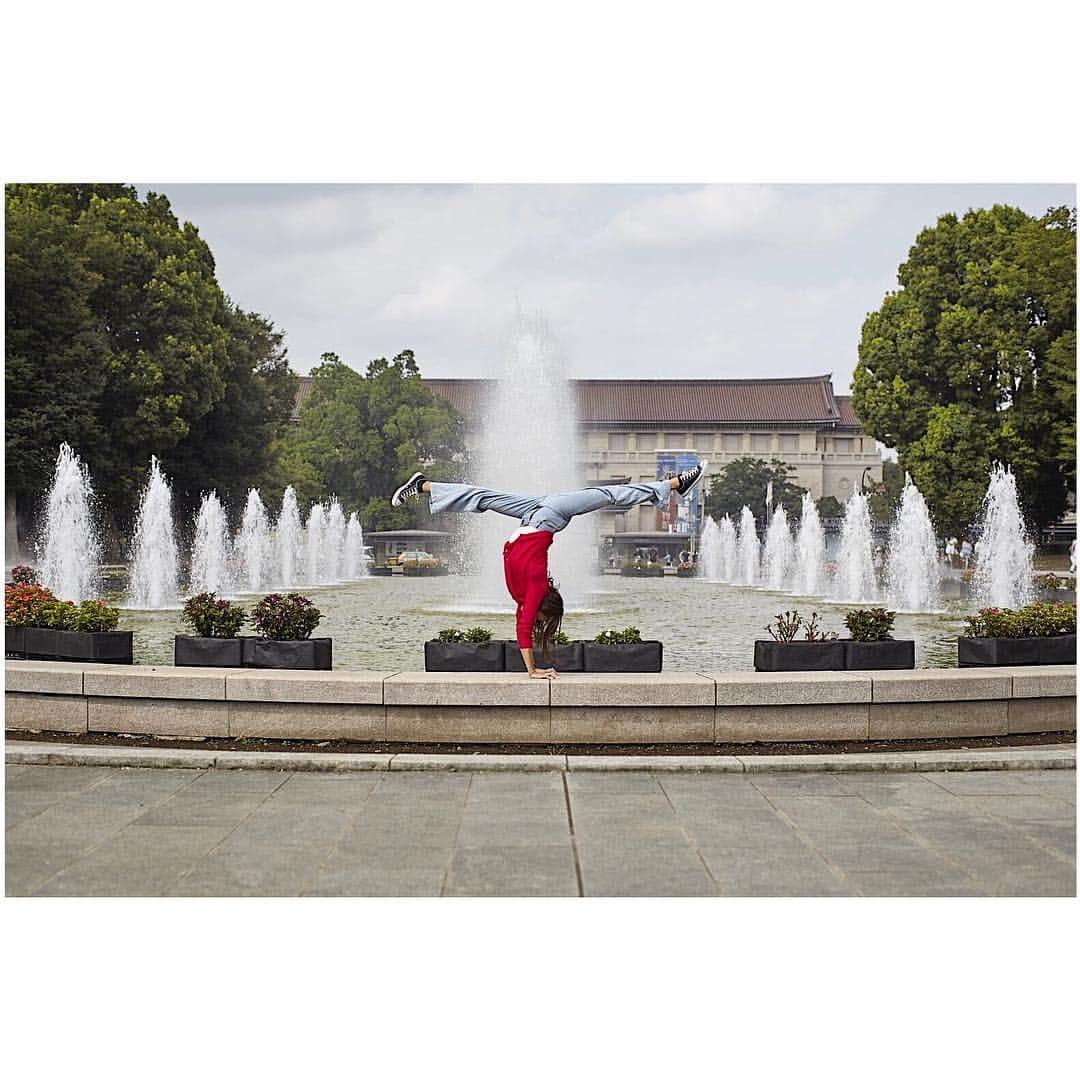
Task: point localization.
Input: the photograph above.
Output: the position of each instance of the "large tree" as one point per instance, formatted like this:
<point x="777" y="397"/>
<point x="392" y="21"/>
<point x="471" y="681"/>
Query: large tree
<point x="744" y="481"/>
<point x="121" y="342"/>
<point x="973" y="357"/>
<point x="359" y="436"/>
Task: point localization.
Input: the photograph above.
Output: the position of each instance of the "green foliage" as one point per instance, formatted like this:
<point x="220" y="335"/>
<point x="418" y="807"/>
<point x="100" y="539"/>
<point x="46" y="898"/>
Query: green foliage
<point x="630" y="635"/>
<point x="58" y="615"/>
<point x="475" y="635"/>
<point x="95" y="616"/>
<point x="884" y="496"/>
<point x="359" y="436"/>
<point x="288" y="617"/>
<point x="24" y="575"/>
<point x="1033" y="620"/>
<point x="26" y="604"/>
<point x="973" y="359"/>
<point x="121" y="342"/>
<point x="829" y="506"/>
<point x="743" y="482"/>
<point x="210" y="617"/>
<point x="785" y="627"/>
<point x="870" y="624"/>
<point x="1053" y="581"/>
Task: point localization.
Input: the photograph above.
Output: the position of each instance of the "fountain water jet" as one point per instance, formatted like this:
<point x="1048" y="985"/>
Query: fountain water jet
<point x="355" y="563"/>
<point x="288" y="538"/>
<point x="254" y="546"/>
<point x="1004" y="558"/>
<point x="913" y="574"/>
<point x="315" y="535"/>
<point x="856" y="581"/>
<point x="70" y="555"/>
<point x="747" y="550"/>
<point x="809" y="578"/>
<point x="334" y="543"/>
<point x="212" y="549"/>
<point x="155" y="568"/>
<point x="776" y="563"/>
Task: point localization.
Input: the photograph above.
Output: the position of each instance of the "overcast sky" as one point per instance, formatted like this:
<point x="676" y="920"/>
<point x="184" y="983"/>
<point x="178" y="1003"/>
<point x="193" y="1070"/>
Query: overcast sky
<point x="636" y="281"/>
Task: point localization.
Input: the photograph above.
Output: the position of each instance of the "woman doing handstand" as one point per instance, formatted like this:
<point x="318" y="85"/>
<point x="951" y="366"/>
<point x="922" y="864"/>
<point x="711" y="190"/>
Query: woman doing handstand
<point x="525" y="553"/>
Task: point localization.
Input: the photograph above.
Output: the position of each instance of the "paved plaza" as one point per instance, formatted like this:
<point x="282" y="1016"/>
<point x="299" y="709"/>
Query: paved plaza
<point x="96" y="831"/>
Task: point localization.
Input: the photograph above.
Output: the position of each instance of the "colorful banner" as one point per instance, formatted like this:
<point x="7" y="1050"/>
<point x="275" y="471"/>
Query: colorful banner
<point x="681" y="513"/>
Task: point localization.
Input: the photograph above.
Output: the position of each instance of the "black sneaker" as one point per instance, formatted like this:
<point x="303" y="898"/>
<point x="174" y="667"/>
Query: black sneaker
<point x="409" y="490"/>
<point x="689" y="477"/>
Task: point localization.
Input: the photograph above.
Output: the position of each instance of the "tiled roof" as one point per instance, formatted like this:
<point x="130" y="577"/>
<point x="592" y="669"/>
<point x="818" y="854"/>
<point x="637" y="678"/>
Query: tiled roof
<point x="809" y="401"/>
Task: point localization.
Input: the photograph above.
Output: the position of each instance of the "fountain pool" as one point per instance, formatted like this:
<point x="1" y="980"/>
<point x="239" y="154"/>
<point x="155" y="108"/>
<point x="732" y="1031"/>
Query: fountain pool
<point x="380" y="623"/>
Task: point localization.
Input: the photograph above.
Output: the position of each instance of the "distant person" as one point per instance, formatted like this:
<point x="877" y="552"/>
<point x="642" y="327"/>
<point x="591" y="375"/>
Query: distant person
<point x="951" y="550"/>
<point x="965" y="552"/>
<point x="525" y="553"/>
<point x="667" y="559"/>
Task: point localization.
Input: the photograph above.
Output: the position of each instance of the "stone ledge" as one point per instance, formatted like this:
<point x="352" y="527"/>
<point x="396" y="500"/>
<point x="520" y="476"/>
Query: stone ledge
<point x="432" y="688"/>
<point x="329" y="687"/>
<point x="1043" y="682"/>
<point x="192" y="719"/>
<point x="791" y="687"/>
<point x="45" y="712"/>
<point x="944" y="684"/>
<point x="634" y="690"/>
<point x="44" y="676"/>
<point x="792" y="723"/>
<point x="133" y="681"/>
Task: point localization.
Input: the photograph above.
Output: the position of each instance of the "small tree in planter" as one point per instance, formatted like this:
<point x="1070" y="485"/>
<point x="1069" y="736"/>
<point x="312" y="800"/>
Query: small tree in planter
<point x="615" y="651"/>
<point x="463" y="650"/>
<point x="872" y="647"/>
<point x="38" y="626"/>
<point x="1040" y="633"/>
<point x="285" y="623"/>
<point x="216" y="624"/>
<point x="818" y="651"/>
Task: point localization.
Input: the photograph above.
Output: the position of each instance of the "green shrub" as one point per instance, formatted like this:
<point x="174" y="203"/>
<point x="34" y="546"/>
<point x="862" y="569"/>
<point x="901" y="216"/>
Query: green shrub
<point x="1033" y="620"/>
<point x="58" y="615"/>
<point x="870" y="624"/>
<point x="24" y="575"/>
<point x="477" y="635"/>
<point x="210" y="617"/>
<point x="288" y="617"/>
<point x="558" y="638"/>
<point x="26" y="605"/>
<point x="95" y="617"/>
<point x="450" y="636"/>
<point x="630" y="635"/>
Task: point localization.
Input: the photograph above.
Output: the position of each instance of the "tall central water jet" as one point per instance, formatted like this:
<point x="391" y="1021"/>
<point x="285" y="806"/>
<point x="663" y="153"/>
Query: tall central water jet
<point x="154" y="571"/>
<point x="212" y="551"/>
<point x="316" y="530"/>
<point x="1004" y="556"/>
<point x="809" y="551"/>
<point x="856" y="581"/>
<point x="355" y="563"/>
<point x="334" y="543"/>
<point x="913" y="575"/>
<point x="528" y="443"/>
<point x="776" y="563"/>
<point x="70" y="555"/>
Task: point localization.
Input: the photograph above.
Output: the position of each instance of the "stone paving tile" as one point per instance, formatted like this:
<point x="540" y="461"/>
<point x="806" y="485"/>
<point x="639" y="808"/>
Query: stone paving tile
<point x="637" y="867"/>
<point x="58" y="778"/>
<point x="1024" y="808"/>
<point x="378" y="881"/>
<point x="763" y="873"/>
<point x="497" y="870"/>
<point x="1061" y="783"/>
<point x="236" y="869"/>
<point x="324" y="788"/>
<point x="906" y="883"/>
<point x="980" y="783"/>
<point x="800" y="784"/>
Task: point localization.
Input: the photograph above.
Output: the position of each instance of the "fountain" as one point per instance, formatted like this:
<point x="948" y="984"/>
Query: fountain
<point x="70" y="556"/>
<point x="709" y="551"/>
<point x="809" y="576"/>
<point x="212" y="550"/>
<point x="355" y="565"/>
<point x="747" y="550"/>
<point x="856" y="581"/>
<point x="1004" y="556"/>
<point x="913" y="574"/>
<point x="254" y="547"/>
<point x="334" y="543"/>
<point x="288" y="537"/>
<point x="154" y="569"/>
<point x="776" y="563"/>
<point x="528" y="442"/>
<point x="314" y="537"/>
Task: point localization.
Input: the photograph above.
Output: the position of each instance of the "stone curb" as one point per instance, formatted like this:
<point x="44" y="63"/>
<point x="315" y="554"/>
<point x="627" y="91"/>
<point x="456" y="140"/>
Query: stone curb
<point x="990" y="759"/>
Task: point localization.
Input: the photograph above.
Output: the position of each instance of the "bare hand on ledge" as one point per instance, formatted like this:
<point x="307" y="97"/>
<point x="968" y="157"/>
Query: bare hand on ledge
<point x="543" y="673"/>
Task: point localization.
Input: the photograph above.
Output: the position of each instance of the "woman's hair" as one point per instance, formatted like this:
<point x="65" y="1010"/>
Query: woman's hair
<point x="548" y="617"/>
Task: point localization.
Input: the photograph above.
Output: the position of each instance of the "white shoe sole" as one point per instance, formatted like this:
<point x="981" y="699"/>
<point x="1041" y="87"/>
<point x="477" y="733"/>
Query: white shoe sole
<point x="396" y="499"/>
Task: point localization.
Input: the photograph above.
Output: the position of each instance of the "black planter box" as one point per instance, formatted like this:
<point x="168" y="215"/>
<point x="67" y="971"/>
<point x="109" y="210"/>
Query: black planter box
<point x="1058" y="650"/>
<point x="15" y="642"/>
<point x="561" y="657"/>
<point x="642" y="571"/>
<point x="879" y="655"/>
<point x="463" y="656"/>
<point x="692" y="572"/>
<point x="381" y="571"/>
<point x="98" y="647"/>
<point x="997" y="651"/>
<point x="191" y="651"/>
<point x="425" y="571"/>
<point x="799" y="656"/>
<point x="311" y="654"/>
<point x="624" y="659"/>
